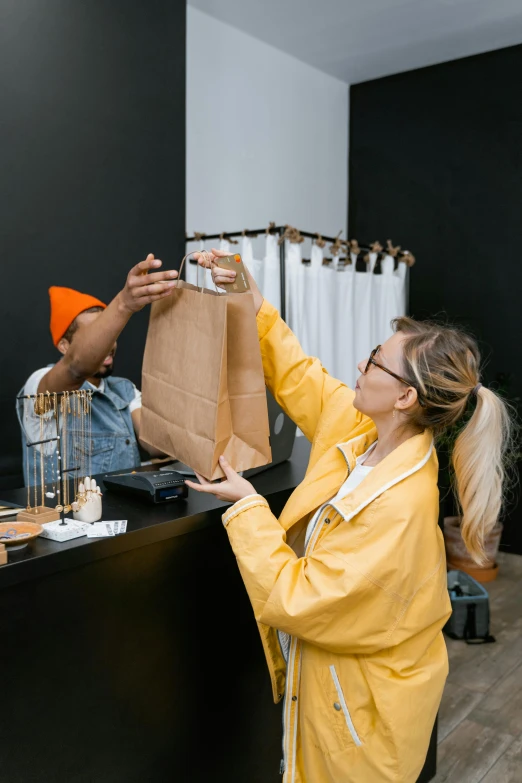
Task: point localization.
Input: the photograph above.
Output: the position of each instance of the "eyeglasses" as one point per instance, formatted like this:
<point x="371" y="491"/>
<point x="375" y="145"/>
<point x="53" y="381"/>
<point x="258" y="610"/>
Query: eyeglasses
<point x="371" y="361"/>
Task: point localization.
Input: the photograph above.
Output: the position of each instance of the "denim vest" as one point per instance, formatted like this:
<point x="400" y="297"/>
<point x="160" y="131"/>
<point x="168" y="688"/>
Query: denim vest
<point x="113" y="441"/>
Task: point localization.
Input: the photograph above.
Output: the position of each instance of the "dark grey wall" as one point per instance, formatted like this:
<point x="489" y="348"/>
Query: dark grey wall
<point x="436" y="164"/>
<point x="92" y="145"/>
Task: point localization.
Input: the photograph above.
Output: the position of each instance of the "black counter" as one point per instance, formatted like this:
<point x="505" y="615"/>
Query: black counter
<point x="136" y="659"/>
<point x="147" y="523"/>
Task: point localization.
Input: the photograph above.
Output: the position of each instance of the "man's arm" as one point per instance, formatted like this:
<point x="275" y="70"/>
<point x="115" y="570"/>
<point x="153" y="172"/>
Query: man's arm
<point x="92" y="343"/>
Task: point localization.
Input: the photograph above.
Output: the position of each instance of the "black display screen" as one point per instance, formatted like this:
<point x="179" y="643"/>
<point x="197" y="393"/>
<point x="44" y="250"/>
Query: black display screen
<point x="171" y="492"/>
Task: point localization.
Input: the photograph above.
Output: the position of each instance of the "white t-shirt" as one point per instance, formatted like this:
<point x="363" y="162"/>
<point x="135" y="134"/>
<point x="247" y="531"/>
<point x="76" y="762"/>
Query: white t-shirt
<point x="356" y="476"/>
<point x="32" y="421"/>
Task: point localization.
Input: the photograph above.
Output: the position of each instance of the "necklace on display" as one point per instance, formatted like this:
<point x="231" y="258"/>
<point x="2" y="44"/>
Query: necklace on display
<point x="67" y="456"/>
<point x="61" y="456"/>
<point x="58" y="507"/>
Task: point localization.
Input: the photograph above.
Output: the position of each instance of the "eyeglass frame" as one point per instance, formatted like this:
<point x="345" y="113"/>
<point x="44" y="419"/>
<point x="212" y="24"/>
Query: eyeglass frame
<point x="371" y="360"/>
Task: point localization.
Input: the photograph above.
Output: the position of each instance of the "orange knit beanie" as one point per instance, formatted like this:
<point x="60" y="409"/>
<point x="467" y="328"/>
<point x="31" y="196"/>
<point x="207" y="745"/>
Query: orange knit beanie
<point x="66" y="305"/>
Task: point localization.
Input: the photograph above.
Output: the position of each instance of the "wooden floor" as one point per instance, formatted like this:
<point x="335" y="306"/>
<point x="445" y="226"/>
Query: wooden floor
<point x="480" y="721"/>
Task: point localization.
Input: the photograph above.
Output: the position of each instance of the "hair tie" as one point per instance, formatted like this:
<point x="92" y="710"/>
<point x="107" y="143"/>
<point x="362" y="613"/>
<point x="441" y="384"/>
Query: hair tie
<point x="476" y="390"/>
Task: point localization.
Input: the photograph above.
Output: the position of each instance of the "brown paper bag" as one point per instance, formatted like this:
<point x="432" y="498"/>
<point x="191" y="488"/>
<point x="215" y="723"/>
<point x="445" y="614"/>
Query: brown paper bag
<point x="203" y="384"/>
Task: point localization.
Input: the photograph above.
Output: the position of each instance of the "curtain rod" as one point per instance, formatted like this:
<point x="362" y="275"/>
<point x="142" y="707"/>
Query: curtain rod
<point x="254" y="232"/>
<point x="277" y="230"/>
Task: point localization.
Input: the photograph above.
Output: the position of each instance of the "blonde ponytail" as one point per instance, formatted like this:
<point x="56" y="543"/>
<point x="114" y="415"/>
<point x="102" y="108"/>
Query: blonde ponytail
<point x="479" y="461"/>
<point x="443" y="364"/>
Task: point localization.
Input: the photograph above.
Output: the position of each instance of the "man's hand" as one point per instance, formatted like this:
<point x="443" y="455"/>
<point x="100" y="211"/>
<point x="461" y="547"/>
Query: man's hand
<point x="231" y="489"/>
<point x="143" y="287"/>
<point x="92" y="343"/>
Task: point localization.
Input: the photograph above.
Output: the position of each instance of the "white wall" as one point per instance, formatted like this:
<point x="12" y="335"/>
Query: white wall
<point x="267" y="136"/>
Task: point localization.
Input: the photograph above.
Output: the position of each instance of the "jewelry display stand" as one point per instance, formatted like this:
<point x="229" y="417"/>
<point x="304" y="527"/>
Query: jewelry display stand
<point x="40" y="515"/>
<point x="65" y="530"/>
<point x="66" y="410"/>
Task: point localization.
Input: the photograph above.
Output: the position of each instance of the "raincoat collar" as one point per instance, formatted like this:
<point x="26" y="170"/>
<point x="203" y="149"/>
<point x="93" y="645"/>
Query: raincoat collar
<point x="323" y="480"/>
<point x="402" y="462"/>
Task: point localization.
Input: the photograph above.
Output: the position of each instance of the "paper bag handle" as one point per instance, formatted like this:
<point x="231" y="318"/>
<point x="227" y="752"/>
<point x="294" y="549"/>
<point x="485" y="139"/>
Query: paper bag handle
<point x="212" y="263"/>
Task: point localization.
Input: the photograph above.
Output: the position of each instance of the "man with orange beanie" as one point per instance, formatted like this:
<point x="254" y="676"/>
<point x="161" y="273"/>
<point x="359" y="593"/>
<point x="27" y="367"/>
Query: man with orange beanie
<point x="85" y="330"/>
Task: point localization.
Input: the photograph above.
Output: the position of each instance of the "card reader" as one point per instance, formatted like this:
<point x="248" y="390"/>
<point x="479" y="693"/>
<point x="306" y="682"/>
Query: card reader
<point x="152" y="487"/>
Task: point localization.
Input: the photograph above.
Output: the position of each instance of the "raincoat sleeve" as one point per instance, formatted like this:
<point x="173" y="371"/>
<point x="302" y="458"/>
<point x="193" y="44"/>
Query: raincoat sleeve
<point x="338" y="598"/>
<point x="299" y="383"/>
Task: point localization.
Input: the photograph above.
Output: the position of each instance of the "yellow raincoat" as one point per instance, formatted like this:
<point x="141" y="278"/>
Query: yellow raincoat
<point x="366" y="603"/>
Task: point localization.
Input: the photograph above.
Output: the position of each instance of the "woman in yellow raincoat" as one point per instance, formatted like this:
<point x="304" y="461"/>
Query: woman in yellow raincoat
<point x="349" y="586"/>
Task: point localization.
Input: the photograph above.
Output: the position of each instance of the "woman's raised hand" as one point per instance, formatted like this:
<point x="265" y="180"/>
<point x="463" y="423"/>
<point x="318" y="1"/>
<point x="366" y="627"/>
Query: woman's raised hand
<point x="209" y="259"/>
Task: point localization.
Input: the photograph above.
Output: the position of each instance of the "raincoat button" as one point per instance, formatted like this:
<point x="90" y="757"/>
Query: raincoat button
<point x="337" y="706"/>
<point x="294" y="698"/>
<point x="326" y="521"/>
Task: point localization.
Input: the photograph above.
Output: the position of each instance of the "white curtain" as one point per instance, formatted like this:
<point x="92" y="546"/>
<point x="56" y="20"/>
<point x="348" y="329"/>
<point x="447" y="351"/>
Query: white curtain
<point x="338" y="313"/>
<point x="264" y="270"/>
<point x="295" y="291"/>
<point x="191" y="268"/>
<point x="271" y="283"/>
<point x="342" y="281"/>
<point x="195" y="274"/>
<point x="224" y="244"/>
<point x="255" y="265"/>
